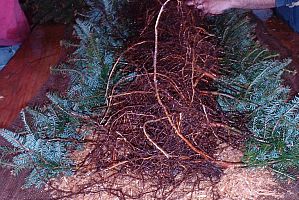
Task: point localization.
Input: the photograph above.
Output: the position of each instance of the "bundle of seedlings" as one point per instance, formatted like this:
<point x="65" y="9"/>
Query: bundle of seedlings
<point x="140" y="118"/>
<point x="162" y="125"/>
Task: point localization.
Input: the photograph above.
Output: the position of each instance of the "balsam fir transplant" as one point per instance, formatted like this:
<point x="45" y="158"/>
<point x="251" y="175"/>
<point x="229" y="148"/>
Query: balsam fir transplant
<point x="149" y="99"/>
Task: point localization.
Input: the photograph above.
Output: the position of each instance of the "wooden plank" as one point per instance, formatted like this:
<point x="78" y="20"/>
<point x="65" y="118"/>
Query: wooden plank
<point x="26" y="73"/>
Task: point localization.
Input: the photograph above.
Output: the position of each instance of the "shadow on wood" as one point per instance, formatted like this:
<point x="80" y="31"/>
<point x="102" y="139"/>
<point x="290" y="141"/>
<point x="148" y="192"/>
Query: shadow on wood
<point x="279" y="37"/>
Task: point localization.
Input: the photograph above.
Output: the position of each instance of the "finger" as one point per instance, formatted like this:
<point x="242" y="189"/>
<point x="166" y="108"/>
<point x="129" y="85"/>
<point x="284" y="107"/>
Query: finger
<point x="200" y="7"/>
<point x="194" y="2"/>
<point x="190" y="3"/>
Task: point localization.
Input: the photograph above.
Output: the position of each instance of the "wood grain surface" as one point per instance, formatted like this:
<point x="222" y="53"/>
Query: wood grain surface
<point x="29" y="69"/>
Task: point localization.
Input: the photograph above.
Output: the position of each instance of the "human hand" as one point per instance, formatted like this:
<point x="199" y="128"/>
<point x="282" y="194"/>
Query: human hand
<point x="213" y="7"/>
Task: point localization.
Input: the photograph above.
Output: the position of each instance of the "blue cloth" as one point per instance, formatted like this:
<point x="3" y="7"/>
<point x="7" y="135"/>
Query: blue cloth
<point x="289" y="3"/>
<point x="288" y="10"/>
<point x="6" y="53"/>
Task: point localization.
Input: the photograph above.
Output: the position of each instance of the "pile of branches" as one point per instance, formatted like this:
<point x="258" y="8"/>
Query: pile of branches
<point x="163" y="125"/>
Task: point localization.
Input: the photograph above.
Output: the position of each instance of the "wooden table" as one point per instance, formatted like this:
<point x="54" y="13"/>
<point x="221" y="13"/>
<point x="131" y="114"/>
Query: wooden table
<point x="29" y="69"/>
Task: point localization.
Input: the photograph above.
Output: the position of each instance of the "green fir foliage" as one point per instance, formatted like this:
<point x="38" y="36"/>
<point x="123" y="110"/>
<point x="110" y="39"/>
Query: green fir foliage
<point x="235" y="35"/>
<point x="38" y="146"/>
<point x="93" y="60"/>
<point x="49" y="134"/>
<point x="252" y="86"/>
